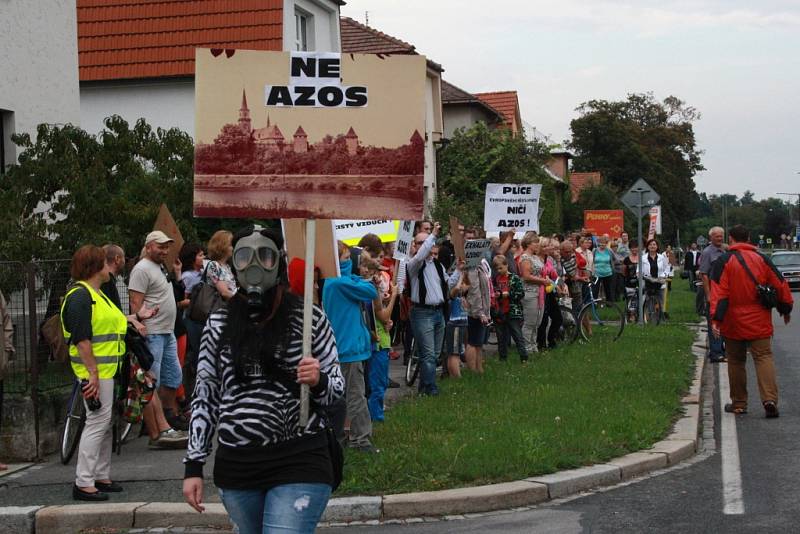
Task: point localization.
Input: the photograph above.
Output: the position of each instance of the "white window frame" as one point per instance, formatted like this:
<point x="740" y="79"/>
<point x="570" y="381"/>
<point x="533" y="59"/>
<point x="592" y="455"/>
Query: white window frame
<point x="303" y="30"/>
<point x="7" y="148"/>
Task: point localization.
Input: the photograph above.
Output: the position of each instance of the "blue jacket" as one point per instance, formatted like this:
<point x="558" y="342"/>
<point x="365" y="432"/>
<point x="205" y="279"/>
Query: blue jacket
<point x="341" y="299"/>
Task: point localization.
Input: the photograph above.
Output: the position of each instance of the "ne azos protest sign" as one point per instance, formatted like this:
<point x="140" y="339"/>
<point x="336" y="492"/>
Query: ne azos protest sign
<point x="511" y="207"/>
<point x="309" y="135"/>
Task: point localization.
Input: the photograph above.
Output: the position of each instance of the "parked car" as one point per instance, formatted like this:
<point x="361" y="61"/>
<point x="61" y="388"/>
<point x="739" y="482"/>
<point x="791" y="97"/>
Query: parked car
<point x="788" y="263"/>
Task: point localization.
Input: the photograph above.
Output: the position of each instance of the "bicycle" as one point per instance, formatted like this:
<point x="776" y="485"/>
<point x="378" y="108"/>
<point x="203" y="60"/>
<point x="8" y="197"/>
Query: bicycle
<point x="569" y="324"/>
<point x="75" y="420"/>
<point x="73" y="423"/>
<point x="632" y="303"/>
<point x="568" y="331"/>
<point x="653" y="307"/>
<point x="412" y="366"/>
<point x="599" y="319"/>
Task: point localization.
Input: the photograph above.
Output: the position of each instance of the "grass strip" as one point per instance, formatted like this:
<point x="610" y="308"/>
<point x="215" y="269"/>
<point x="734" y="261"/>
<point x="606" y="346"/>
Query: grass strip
<point x="576" y="405"/>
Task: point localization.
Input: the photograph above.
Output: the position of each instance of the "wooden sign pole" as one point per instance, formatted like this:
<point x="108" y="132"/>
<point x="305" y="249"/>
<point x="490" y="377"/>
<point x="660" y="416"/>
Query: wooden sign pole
<point x="308" y="310"/>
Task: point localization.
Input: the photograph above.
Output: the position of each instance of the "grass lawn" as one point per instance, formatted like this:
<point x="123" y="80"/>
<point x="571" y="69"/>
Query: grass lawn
<point x="680" y="304"/>
<point x="576" y="405"/>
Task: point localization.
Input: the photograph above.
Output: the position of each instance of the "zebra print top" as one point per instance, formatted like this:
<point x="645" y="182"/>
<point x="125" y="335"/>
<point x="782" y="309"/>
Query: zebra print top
<point x="262" y="411"/>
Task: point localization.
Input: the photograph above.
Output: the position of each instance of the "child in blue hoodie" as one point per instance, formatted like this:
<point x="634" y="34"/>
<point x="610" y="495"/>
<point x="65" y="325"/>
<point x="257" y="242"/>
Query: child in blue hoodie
<point x="341" y="300"/>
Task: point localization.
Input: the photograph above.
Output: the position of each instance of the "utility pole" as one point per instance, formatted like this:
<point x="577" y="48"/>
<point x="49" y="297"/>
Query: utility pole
<point x="798" y="202"/>
<point x="725" y="218"/>
<point x="797" y="226"/>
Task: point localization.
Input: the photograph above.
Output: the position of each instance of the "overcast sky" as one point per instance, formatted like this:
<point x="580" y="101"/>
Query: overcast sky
<point x="736" y="61"/>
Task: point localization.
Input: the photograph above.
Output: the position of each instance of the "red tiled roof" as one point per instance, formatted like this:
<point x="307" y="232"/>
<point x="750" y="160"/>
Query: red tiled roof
<point x="360" y="39"/>
<point x="123" y="39"/>
<point x="505" y="102"/>
<point x="578" y="181"/>
<point x="452" y="95"/>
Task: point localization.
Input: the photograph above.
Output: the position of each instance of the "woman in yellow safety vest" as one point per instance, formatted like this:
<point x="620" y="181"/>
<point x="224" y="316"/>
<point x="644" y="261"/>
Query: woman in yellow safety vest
<point x="95" y="330"/>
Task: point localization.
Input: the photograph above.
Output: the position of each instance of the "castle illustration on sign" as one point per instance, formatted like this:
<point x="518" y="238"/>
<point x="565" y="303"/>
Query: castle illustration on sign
<point x="273" y="139"/>
<point x="254" y="172"/>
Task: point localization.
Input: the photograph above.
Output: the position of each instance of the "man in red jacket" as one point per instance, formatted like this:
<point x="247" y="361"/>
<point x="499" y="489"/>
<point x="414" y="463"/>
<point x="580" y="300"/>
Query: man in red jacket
<point x="737" y="313"/>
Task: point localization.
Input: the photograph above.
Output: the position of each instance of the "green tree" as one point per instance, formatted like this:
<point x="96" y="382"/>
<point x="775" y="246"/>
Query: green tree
<point x="594" y="197"/>
<point x="641" y="137"/>
<point x="70" y="188"/>
<point x="481" y="155"/>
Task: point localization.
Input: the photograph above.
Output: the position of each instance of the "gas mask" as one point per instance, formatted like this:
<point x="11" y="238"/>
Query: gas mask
<point x="256" y="259"/>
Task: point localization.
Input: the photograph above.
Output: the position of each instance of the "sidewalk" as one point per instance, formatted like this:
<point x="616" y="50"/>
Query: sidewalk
<point x="146" y="475"/>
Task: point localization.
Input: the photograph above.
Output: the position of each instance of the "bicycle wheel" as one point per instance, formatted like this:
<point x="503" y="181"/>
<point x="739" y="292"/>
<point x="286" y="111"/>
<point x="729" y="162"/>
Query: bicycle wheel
<point x="126" y="431"/>
<point x="73" y="424"/>
<point x="601" y="320"/>
<point x="651" y="312"/>
<point x="120" y="430"/>
<point x="569" y="327"/>
<point x="412" y="367"/>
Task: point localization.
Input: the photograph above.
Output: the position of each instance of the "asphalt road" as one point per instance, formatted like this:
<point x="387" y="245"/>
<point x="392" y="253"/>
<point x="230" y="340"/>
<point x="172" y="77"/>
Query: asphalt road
<point x="689" y="497"/>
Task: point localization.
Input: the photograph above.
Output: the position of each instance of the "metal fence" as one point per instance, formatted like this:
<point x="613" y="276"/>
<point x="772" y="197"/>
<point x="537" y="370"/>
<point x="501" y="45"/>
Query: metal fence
<point x="33" y="293"/>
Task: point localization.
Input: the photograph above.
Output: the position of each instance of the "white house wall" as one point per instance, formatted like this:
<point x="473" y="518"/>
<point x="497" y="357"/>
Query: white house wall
<point x="164" y="104"/>
<point x="430" y="151"/>
<point x="39" y="78"/>
<point x="326" y="24"/>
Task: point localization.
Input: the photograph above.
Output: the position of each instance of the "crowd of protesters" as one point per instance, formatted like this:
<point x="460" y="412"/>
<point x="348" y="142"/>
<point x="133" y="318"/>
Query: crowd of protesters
<point x="205" y="370"/>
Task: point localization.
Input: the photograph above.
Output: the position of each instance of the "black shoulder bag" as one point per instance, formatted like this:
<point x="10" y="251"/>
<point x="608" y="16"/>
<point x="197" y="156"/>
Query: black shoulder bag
<point x="203" y="299"/>
<point x="767" y="295"/>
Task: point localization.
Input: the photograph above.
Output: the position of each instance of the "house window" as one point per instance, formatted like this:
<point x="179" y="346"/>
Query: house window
<point x="302" y="21"/>
<point x="6" y="145"/>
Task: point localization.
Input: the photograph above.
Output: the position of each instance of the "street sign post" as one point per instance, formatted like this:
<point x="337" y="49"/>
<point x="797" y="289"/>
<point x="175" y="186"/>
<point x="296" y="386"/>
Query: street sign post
<point x="639" y="197"/>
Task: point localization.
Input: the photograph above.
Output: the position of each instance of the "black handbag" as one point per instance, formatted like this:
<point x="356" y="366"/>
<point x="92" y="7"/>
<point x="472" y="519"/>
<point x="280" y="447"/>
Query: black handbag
<point x="767" y="295"/>
<point x="137" y="345"/>
<point x="203" y="300"/>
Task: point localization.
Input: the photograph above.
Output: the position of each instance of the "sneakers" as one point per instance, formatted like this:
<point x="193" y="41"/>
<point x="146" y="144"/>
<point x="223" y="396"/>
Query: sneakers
<point x="176" y="421"/>
<point x="770" y="410"/>
<point x="169" y="439"/>
<point x="393" y="384"/>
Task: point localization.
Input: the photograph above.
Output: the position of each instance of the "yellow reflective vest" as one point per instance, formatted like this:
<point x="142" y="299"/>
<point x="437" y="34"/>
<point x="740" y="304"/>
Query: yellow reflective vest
<point x="109" y="326"/>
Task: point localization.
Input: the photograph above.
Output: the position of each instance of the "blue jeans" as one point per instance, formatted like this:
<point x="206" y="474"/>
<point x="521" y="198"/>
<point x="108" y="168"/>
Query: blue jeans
<point x="716" y="347"/>
<point x="286" y="508"/>
<point x="378" y="382"/>
<point x="166" y="367"/>
<point x="428" y="326"/>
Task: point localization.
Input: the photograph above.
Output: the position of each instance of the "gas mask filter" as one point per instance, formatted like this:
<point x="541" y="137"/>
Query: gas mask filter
<point x="256" y="259"/>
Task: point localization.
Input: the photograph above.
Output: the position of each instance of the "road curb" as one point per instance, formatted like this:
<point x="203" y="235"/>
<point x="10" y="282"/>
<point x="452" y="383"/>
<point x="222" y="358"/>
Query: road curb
<point x="682" y="443"/>
<point x="18" y="518"/>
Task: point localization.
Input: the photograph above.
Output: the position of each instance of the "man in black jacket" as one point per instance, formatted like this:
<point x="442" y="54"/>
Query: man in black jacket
<point x="690" y="263"/>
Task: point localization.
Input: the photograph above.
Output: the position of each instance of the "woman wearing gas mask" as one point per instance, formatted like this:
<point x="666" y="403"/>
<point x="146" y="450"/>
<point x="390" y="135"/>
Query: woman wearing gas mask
<point x="272" y="474"/>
